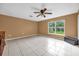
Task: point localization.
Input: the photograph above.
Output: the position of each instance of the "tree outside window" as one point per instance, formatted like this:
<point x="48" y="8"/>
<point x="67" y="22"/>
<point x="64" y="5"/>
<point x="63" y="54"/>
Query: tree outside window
<point x="56" y="27"/>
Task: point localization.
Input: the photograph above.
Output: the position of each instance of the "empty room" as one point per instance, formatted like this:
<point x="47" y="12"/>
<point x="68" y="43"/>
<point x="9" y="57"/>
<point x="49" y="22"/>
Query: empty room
<point x="39" y="29"/>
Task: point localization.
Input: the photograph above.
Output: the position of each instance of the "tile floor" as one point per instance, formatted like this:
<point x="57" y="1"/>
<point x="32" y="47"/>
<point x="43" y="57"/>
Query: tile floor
<point x="39" y="46"/>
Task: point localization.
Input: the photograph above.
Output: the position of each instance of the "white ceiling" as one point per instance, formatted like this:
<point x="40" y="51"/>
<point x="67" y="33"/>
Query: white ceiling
<point x="25" y="10"/>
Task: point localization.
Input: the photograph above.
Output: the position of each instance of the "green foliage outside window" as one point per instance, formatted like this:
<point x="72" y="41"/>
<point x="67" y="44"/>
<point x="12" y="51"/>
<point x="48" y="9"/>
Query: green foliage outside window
<point x="56" y="27"/>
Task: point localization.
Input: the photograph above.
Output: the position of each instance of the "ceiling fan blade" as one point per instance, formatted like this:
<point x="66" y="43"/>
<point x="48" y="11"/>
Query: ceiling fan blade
<point x="48" y="13"/>
<point x="38" y="15"/>
<point x="44" y="15"/>
<point x="36" y="12"/>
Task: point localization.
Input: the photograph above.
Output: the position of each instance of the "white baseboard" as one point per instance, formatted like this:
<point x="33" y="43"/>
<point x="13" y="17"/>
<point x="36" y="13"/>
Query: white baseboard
<point x="21" y="37"/>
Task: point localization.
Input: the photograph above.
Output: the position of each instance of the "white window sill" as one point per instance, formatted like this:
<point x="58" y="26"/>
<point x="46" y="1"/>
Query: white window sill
<point x="57" y="34"/>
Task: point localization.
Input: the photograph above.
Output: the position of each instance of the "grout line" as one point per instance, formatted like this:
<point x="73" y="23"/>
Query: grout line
<point x="19" y="48"/>
<point x="32" y="49"/>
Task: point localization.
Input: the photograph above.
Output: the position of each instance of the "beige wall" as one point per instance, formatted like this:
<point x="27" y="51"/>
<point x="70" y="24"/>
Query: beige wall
<point x="16" y="27"/>
<point x="70" y="25"/>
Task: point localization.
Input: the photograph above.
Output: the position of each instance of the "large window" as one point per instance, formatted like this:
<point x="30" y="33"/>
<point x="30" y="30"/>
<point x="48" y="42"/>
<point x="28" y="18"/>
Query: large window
<point x="56" y="27"/>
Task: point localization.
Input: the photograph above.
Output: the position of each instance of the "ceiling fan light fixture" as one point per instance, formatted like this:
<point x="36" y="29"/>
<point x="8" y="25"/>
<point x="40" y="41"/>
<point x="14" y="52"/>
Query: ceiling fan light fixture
<point x="42" y="12"/>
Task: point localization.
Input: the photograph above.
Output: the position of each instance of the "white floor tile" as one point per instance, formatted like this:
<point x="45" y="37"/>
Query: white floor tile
<point x="40" y="46"/>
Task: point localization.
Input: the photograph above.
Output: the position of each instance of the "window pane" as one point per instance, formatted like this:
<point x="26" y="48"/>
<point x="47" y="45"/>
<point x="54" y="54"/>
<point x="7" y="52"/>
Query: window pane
<point x="51" y="30"/>
<point x="52" y="24"/>
<point x="60" y="27"/>
<point x="60" y="24"/>
<point x="60" y="30"/>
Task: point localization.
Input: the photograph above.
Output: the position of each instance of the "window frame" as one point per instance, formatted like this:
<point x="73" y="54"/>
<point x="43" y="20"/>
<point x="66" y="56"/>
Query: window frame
<point x="51" y="27"/>
<point x="55" y="27"/>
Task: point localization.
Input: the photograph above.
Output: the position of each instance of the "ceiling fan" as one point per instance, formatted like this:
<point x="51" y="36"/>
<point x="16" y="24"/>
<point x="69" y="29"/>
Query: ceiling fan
<point x="42" y="12"/>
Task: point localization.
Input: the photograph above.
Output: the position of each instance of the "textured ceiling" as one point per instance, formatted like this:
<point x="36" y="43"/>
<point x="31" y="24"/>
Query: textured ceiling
<point x="25" y="10"/>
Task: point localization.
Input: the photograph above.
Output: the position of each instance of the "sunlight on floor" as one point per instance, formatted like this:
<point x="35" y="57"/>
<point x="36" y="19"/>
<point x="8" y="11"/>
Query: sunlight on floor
<point x="55" y="46"/>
